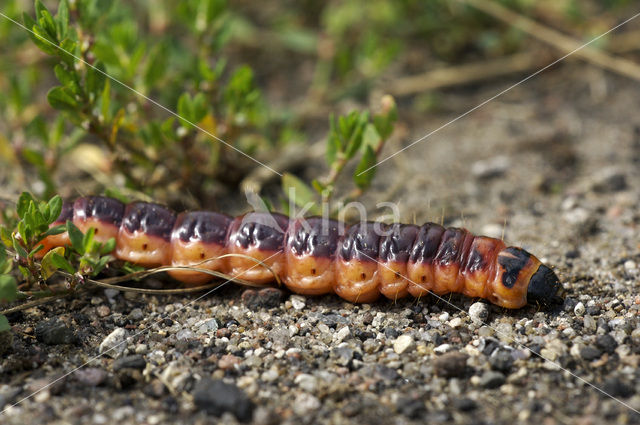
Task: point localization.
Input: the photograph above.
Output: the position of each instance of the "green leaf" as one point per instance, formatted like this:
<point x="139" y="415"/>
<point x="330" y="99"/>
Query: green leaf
<point x="5" y="235"/>
<point x="94" y="84"/>
<point x="35" y="250"/>
<point x="28" y="21"/>
<point x="367" y="161"/>
<point x="4" y="323"/>
<point x="33" y="157"/>
<point x="67" y="51"/>
<point x="357" y="126"/>
<point x="60" y="98"/>
<point x="8" y="288"/>
<point x="45" y="19"/>
<point x="185" y="110"/>
<point x="55" y="230"/>
<point x="53" y="261"/>
<point x="55" y="208"/>
<point x="199" y="106"/>
<point x="108" y="246"/>
<point x="76" y="237"/>
<point x="23" y="203"/>
<point x="299" y="192"/>
<point x="67" y="78"/>
<point x="371" y="138"/>
<point x="87" y="240"/>
<point x="333" y="142"/>
<point x="62" y="18"/>
<point x="105" y="102"/>
<point x="19" y="249"/>
<point x="43" y="40"/>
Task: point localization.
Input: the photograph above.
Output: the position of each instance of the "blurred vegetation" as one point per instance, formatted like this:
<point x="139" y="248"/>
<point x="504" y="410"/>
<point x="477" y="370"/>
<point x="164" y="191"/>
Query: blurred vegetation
<point x="258" y="77"/>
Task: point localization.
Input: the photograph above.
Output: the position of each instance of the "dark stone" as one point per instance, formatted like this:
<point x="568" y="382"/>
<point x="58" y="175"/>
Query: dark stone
<point x="386" y="373"/>
<point x="465" y="404"/>
<point x="501" y="360"/>
<point x="606" y="343"/>
<point x="54" y="332"/>
<point x="217" y="397"/>
<point x="129" y="362"/>
<point x="452" y="364"/>
<point x="569" y="304"/>
<point x="593" y="310"/>
<point x="491" y="379"/>
<point x="590" y="353"/>
<point x="332" y="320"/>
<point x="391" y="333"/>
<point x="613" y="183"/>
<point x="411" y="407"/>
<point x="616" y="387"/>
<point x="264" y="298"/>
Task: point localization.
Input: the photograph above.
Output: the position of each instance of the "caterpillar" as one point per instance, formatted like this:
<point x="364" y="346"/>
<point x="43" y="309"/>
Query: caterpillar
<point x="316" y="255"/>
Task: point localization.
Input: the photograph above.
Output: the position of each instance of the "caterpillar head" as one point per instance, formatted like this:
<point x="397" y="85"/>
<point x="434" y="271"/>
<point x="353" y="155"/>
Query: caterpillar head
<point x="523" y="279"/>
<point x="544" y="287"/>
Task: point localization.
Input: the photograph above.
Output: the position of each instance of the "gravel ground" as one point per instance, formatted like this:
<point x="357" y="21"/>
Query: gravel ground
<point x="553" y="164"/>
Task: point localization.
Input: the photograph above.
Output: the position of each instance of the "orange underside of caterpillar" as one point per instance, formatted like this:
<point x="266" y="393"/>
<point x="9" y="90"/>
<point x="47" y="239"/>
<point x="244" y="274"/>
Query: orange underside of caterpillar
<point x="315" y="255"/>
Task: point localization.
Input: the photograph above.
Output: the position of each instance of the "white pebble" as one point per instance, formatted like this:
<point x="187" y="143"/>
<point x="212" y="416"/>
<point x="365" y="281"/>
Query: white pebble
<point x="443" y="348"/>
<point x="342" y="334"/>
<point x="114" y="344"/>
<point x="579" y="309"/>
<point x="630" y="265"/>
<point x="305" y="403"/>
<point x="403" y="343"/>
<point x="298" y="302"/>
<point x="479" y="312"/>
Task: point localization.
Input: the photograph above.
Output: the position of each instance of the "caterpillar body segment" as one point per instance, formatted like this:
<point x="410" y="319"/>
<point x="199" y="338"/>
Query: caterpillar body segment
<point x="315" y="255"/>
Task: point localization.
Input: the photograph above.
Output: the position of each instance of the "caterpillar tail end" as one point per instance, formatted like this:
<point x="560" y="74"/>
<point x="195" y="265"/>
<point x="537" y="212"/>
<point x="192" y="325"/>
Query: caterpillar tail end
<point x="545" y="287"/>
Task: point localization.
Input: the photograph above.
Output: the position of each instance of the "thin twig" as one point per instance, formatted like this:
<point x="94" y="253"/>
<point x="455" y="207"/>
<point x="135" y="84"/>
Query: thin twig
<point x="558" y="40"/>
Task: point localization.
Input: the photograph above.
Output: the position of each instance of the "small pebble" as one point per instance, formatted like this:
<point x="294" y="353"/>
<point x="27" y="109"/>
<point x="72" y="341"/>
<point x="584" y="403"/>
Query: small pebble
<point x="298" y="302"/>
<point x="403" y="343"/>
<point x="451" y="364"/>
<point x="90" y="376"/>
<point x="54" y="332"/>
<point x="103" y="310"/>
<point x="216" y="398"/>
<point x="305" y="404"/>
<point x="129" y="362"/>
<point x="579" y="309"/>
<point x="114" y="344"/>
<point x="492" y="379"/>
<point x="479" y="312"/>
<point x="342" y="334"/>
<point x="630" y="265"/>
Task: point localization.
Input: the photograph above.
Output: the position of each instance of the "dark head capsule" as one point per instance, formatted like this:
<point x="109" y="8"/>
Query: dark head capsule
<point x="544" y="287"/>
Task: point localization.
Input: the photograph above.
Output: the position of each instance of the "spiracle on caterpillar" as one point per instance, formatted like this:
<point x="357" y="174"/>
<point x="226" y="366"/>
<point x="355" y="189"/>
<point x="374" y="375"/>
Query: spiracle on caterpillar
<point x="316" y="255"/>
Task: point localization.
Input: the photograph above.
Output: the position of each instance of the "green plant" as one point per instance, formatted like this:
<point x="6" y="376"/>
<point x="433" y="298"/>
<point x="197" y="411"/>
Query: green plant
<point x="90" y="39"/>
<point x="355" y="135"/>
